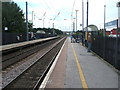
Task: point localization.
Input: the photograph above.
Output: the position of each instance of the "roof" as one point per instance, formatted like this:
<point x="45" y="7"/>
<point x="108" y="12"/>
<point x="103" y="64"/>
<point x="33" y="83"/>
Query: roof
<point x="92" y="28"/>
<point x="40" y="31"/>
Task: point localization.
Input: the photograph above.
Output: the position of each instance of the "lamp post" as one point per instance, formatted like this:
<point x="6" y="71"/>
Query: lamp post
<point x="104" y="20"/>
<point x="53" y="23"/>
<point x="64" y="27"/>
<point x="104" y="32"/>
<point x="82" y="14"/>
<point x="27" y="38"/>
<point x="87" y="15"/>
<point x="86" y="32"/>
<point x="76" y="19"/>
<point x="44" y="19"/>
<point x="53" y="29"/>
<point x="50" y="22"/>
<point x="32" y="16"/>
<point x="82" y="21"/>
<point x="73" y="25"/>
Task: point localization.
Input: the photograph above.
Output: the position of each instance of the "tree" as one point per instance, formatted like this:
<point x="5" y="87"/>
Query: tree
<point x="30" y="27"/>
<point x="12" y="17"/>
<point x="48" y="30"/>
<point x="58" y="32"/>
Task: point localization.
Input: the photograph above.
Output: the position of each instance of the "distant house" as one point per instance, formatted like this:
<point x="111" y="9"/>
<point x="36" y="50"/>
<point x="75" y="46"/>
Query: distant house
<point x="113" y="33"/>
<point x="40" y="34"/>
<point x="108" y="33"/>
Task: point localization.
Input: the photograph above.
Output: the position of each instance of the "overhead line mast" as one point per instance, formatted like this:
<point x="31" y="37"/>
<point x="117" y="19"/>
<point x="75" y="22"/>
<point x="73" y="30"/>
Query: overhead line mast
<point x="27" y="21"/>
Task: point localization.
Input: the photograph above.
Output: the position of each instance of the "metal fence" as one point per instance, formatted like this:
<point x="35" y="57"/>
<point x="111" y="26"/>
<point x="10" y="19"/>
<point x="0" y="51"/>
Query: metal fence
<point x="106" y="48"/>
<point x="9" y="38"/>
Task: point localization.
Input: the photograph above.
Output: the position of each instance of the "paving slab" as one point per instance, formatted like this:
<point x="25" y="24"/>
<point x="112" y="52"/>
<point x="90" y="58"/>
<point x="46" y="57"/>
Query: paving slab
<point x="97" y="73"/>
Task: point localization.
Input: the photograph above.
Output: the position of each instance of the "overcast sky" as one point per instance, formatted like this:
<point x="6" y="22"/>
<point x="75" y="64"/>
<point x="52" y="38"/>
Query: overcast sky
<point x="67" y="7"/>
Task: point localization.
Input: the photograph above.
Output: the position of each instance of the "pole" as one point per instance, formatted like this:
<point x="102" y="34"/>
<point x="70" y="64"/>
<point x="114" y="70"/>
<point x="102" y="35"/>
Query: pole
<point x="27" y="21"/>
<point x="104" y="20"/>
<point x="82" y="15"/>
<point x="44" y="19"/>
<point x="43" y="22"/>
<point x="73" y="25"/>
<point x="53" y="23"/>
<point x="53" y="28"/>
<point x="116" y="51"/>
<point x="32" y="16"/>
<point x="49" y="24"/>
<point x="76" y="19"/>
<point x="86" y="34"/>
<point x="82" y="20"/>
<point x="87" y="15"/>
<point x="104" y="34"/>
<point x="1" y="27"/>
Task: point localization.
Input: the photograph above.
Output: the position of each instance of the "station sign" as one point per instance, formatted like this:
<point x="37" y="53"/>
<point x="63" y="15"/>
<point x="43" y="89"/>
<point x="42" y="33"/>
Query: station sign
<point x="112" y="24"/>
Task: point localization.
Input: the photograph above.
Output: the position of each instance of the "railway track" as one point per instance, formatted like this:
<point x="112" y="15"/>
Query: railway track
<point x="33" y="76"/>
<point x="11" y="57"/>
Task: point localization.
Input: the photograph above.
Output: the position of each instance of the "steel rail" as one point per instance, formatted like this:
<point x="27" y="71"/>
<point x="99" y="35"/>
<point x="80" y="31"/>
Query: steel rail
<point x="44" y="73"/>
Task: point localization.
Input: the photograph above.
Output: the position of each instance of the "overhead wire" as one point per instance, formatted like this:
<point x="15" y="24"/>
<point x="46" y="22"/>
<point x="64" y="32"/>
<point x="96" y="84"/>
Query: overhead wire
<point x="36" y="16"/>
<point x="50" y="8"/>
<point x="34" y="11"/>
<point x="60" y="11"/>
<point x="52" y="5"/>
<point x="59" y="14"/>
<point x="73" y="9"/>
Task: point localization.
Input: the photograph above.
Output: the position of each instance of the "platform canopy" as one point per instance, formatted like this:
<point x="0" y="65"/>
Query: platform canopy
<point x="91" y="28"/>
<point x="41" y="31"/>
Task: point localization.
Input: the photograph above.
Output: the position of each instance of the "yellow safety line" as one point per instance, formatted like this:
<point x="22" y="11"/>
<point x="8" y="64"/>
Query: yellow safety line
<point x="83" y="81"/>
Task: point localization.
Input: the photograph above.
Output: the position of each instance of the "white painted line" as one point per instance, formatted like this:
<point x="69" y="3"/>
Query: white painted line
<point x="43" y="85"/>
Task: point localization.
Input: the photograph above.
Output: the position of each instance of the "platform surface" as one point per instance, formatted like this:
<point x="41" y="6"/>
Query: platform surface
<point x="76" y="68"/>
<point x="10" y="46"/>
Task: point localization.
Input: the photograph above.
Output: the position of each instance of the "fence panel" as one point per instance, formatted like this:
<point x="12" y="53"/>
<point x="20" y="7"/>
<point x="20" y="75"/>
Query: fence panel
<point x="118" y="57"/>
<point x="97" y="46"/>
<point x="9" y="38"/>
<point x="110" y="49"/>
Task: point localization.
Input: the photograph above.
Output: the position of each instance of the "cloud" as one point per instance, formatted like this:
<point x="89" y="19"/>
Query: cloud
<point x="53" y="7"/>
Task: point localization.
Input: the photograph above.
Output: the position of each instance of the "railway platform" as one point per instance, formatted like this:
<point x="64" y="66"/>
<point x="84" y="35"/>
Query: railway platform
<point x="76" y="68"/>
